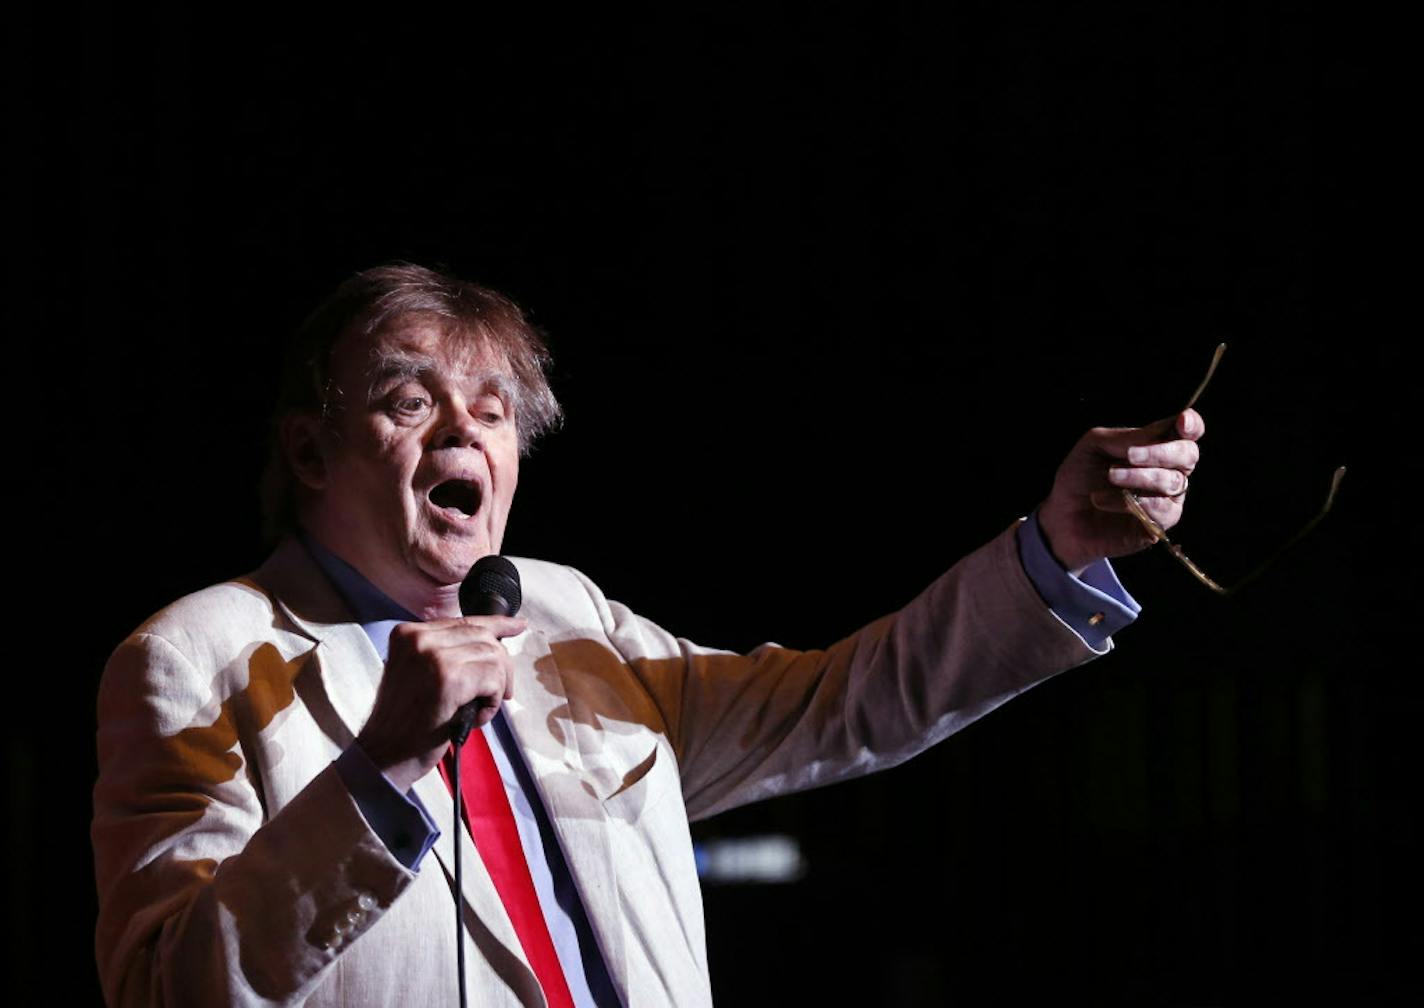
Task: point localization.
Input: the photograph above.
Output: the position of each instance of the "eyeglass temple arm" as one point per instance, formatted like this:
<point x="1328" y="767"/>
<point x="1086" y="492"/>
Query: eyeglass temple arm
<point x="1160" y="534"/>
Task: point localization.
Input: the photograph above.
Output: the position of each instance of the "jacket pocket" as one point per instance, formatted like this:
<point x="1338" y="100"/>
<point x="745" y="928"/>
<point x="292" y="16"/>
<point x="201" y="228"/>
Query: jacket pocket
<point x="643" y="787"/>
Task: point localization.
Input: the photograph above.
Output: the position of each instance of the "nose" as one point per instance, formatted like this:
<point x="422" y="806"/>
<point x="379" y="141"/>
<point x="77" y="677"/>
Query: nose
<point x="457" y="429"/>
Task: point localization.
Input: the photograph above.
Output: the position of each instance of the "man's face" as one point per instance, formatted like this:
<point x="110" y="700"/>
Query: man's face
<point x="417" y="482"/>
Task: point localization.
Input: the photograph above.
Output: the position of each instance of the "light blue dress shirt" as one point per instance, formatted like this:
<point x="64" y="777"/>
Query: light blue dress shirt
<point x="1094" y="603"/>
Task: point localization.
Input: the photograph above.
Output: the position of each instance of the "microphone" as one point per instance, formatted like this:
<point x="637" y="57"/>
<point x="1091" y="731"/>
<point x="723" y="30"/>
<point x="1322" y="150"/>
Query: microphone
<point x="490" y="589"/>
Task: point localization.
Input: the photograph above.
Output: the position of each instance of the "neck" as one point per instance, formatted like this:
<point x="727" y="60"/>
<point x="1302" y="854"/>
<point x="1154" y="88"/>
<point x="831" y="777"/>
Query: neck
<point x="413" y="590"/>
<point x="440" y="602"/>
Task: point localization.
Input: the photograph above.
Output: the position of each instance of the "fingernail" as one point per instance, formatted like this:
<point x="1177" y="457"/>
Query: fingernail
<point x="1137" y="454"/>
<point x="1118" y="475"/>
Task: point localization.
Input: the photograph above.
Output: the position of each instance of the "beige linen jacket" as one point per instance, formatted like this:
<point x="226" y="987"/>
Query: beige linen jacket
<point x="234" y="867"/>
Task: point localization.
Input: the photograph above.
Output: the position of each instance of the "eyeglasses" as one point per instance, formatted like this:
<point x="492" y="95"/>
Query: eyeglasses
<point x="1159" y="534"/>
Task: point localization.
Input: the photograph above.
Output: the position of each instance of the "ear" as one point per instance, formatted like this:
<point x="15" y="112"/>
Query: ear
<point x="305" y="442"/>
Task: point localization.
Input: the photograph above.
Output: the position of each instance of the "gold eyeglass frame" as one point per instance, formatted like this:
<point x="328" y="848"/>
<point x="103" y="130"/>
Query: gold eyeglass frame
<point x="1159" y="534"/>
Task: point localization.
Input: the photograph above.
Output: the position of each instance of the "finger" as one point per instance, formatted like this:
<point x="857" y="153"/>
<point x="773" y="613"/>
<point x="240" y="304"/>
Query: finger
<point x="1165" y="511"/>
<point x="1110" y="501"/>
<point x="1116" y="441"/>
<point x="1186" y="424"/>
<point x="501" y="626"/>
<point x="1182" y="455"/>
<point x="1158" y="482"/>
<point x="481" y="651"/>
<point x="460" y="629"/>
<point x="485" y="708"/>
<point x="490" y="696"/>
<point x="486" y="683"/>
<point x="497" y="626"/>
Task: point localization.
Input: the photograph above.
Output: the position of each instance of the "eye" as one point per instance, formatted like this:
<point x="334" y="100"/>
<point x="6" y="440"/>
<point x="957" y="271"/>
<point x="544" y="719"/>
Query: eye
<point x="489" y="410"/>
<point x="409" y="406"/>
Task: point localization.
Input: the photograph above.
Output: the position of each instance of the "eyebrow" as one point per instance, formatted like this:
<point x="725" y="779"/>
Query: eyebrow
<point x="387" y="364"/>
<point x="401" y="364"/>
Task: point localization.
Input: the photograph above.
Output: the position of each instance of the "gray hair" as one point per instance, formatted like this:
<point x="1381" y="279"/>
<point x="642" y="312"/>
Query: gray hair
<point x="372" y="302"/>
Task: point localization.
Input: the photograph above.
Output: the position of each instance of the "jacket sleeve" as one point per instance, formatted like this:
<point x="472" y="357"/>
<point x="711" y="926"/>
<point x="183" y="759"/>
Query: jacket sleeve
<point x="203" y="898"/>
<point x="748" y="727"/>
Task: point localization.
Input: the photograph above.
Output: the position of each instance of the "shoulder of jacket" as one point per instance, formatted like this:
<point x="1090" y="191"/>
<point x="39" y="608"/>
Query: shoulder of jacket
<point x="231" y="600"/>
<point x="210" y="623"/>
<point x="558" y="592"/>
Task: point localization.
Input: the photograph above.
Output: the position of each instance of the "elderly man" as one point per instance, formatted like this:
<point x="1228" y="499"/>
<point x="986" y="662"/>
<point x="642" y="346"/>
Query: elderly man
<point x="272" y="816"/>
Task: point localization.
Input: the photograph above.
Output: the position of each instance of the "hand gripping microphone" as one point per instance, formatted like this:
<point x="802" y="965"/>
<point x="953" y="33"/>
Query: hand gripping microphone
<point x="490" y="589"/>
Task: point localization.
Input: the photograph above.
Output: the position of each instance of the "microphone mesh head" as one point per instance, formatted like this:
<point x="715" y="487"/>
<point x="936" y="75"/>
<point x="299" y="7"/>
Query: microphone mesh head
<point x="491" y="575"/>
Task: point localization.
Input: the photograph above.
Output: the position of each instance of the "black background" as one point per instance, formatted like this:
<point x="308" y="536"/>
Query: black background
<point x="831" y="289"/>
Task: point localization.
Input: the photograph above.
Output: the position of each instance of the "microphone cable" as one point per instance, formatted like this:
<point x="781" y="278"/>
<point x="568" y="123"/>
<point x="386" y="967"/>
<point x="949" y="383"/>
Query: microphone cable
<point x="490" y="589"/>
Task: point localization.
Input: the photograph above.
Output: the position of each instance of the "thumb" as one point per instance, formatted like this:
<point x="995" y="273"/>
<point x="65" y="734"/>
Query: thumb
<point x="1186" y="424"/>
<point x="1189" y="424"/>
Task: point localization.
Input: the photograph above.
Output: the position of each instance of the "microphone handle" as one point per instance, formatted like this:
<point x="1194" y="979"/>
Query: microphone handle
<point x="464" y="720"/>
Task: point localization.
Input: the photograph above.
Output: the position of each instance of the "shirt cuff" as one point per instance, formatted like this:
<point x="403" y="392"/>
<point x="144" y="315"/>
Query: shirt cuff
<point x="1093" y="604"/>
<point x="400" y="820"/>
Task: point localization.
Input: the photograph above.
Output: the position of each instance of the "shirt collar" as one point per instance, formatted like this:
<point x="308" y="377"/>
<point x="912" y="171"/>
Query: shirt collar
<point x="376" y="611"/>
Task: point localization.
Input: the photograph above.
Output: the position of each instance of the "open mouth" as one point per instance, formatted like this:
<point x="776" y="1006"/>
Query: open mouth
<point x="457" y="495"/>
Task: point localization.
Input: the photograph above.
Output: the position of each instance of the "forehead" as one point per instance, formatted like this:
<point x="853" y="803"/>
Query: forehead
<point x="419" y="344"/>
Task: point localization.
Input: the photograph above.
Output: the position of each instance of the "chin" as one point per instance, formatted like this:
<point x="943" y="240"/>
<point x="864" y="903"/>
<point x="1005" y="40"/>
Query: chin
<point x="450" y="566"/>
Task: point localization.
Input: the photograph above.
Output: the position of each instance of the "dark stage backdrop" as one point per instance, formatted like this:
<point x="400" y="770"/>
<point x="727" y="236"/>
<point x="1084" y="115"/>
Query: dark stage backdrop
<point x="831" y="289"/>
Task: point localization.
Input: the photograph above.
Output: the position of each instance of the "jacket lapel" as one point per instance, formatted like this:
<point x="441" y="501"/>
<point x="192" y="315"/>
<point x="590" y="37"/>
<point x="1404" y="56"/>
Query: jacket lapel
<point x="344" y="667"/>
